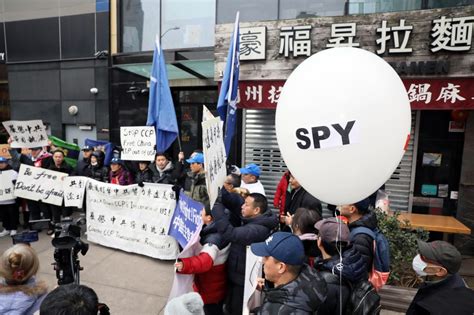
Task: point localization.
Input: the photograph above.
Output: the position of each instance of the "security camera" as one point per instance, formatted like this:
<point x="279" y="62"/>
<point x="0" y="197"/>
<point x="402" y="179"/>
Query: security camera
<point x="94" y="90"/>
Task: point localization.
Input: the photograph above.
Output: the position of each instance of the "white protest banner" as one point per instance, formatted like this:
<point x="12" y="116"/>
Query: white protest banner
<point x="74" y="187"/>
<point x="206" y="113"/>
<point x="132" y="218"/>
<point x="138" y="143"/>
<point x="6" y="184"/>
<point x="214" y="156"/>
<point x="253" y="271"/>
<point x="26" y="133"/>
<point x="37" y="183"/>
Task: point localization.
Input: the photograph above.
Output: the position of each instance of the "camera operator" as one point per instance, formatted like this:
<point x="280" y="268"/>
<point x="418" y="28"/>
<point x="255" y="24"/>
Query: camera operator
<point x="73" y="299"/>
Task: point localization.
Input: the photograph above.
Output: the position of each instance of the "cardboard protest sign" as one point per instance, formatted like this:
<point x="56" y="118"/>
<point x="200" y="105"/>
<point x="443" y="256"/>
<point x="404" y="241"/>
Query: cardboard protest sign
<point x="6" y="184"/>
<point x="214" y="156"/>
<point x="253" y="271"/>
<point x="132" y="218"/>
<point x="74" y="187"/>
<point x="186" y="219"/>
<point x="138" y="143"/>
<point x="26" y="133"/>
<point x="37" y="183"/>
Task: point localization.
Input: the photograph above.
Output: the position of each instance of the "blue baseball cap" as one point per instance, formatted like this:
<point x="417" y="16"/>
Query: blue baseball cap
<point x="116" y="160"/>
<point x="197" y="158"/>
<point x="283" y="246"/>
<point x="252" y="169"/>
<point x="3" y="160"/>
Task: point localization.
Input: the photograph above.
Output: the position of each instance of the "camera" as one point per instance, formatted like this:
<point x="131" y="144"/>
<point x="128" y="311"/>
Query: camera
<point x="67" y="245"/>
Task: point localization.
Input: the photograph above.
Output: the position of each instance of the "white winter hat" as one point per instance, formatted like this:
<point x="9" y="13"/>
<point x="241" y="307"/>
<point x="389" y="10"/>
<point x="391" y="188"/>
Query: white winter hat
<point x="189" y="303"/>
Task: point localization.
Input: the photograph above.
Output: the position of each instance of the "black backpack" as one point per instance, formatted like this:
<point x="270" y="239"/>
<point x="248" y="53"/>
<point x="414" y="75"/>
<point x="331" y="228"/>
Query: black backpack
<point x="363" y="299"/>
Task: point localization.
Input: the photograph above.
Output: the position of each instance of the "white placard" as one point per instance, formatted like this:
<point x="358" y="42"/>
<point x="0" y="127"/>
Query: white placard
<point x="74" y="187"/>
<point x="6" y="184"/>
<point x="253" y="42"/>
<point x="37" y="183"/>
<point x="206" y="113"/>
<point x="132" y="218"/>
<point x="138" y="143"/>
<point x="253" y="271"/>
<point x="214" y="156"/>
<point x="26" y="133"/>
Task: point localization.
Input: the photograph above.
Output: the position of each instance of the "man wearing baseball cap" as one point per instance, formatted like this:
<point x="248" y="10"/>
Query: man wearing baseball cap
<point x="83" y="164"/>
<point x="298" y="289"/>
<point x="250" y="174"/>
<point x="195" y="182"/>
<point x="443" y="290"/>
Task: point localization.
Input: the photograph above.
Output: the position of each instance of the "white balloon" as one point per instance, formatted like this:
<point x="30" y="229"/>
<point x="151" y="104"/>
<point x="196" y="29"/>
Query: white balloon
<point x="358" y="109"/>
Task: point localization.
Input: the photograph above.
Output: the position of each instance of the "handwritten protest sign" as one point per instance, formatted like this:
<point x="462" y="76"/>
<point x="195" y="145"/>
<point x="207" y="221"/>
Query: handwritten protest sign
<point x="253" y="271"/>
<point x="6" y="184"/>
<point x="26" y="133"/>
<point x="138" y="143"/>
<point x="74" y="187"/>
<point x="132" y="218"/>
<point x="214" y="156"/>
<point x="206" y="113"/>
<point x="37" y="183"/>
<point x="186" y="219"/>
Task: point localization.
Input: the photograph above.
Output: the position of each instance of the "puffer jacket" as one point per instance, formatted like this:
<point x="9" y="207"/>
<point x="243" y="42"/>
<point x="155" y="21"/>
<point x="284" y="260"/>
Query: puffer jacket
<point x="209" y="266"/>
<point x="166" y="176"/>
<point x="98" y="172"/>
<point x="353" y="271"/>
<point x="145" y="176"/>
<point x="22" y="299"/>
<point x="195" y="187"/>
<point x="252" y="230"/>
<point x="363" y="242"/>
<point x="304" y="295"/>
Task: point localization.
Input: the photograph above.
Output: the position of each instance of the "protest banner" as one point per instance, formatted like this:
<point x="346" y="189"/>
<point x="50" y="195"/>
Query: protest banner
<point x="26" y="133"/>
<point x="132" y="218"/>
<point x="253" y="271"/>
<point x="138" y="143"/>
<point x="37" y="183"/>
<point x="206" y="113"/>
<point x="183" y="283"/>
<point x="71" y="150"/>
<point x="186" y="219"/>
<point x="214" y="156"/>
<point x="6" y="184"/>
<point x="74" y="187"/>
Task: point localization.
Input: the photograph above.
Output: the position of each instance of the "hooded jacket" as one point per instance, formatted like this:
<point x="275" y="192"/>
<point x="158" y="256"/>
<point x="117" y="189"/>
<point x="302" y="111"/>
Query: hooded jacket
<point x="209" y="266"/>
<point x="339" y="290"/>
<point x="165" y="176"/>
<point x="252" y="230"/>
<point x="363" y="242"/>
<point x="98" y="172"/>
<point x="22" y="299"/>
<point x="304" y="295"/>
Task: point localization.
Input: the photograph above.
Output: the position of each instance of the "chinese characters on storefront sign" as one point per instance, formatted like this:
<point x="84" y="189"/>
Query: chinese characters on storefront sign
<point x="422" y="93"/>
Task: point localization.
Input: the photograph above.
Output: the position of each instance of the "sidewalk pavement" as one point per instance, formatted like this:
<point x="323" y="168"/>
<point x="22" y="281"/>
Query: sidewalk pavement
<point x="127" y="283"/>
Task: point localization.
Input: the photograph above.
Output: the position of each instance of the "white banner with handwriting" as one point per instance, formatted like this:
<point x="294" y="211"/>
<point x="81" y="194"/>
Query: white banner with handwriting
<point x="132" y="218"/>
<point x="26" y="133"/>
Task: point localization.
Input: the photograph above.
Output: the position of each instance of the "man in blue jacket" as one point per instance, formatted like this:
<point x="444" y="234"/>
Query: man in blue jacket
<point x="257" y="223"/>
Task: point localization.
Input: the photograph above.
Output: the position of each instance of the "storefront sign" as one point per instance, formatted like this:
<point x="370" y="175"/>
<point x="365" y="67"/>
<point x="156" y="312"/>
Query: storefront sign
<point x="253" y="41"/>
<point x="449" y="93"/>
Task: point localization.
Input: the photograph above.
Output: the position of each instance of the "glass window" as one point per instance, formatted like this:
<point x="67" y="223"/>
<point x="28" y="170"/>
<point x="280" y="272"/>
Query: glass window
<point x="250" y="10"/>
<point x="433" y="4"/>
<point x="140" y="24"/>
<point x="196" y="22"/>
<point x="375" y="6"/>
<point x="294" y="9"/>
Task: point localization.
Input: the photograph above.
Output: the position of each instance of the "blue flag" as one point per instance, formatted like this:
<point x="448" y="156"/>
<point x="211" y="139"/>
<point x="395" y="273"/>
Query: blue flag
<point x="161" y="112"/>
<point x="227" y="103"/>
<point x="104" y="146"/>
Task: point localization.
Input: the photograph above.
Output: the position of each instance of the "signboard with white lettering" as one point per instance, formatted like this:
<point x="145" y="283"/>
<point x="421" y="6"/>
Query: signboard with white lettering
<point x="214" y="156"/>
<point x="132" y="218"/>
<point x="6" y="184"/>
<point x="26" y="133"/>
<point x="138" y="143"/>
<point x="186" y="219"/>
<point x="40" y="184"/>
<point x="74" y="187"/>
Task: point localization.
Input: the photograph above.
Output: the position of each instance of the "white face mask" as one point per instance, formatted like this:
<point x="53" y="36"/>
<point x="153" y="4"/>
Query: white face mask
<point x="419" y="266"/>
<point x="94" y="163"/>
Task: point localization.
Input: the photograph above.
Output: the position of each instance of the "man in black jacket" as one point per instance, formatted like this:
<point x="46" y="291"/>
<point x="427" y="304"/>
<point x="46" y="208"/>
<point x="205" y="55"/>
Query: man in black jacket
<point x="257" y="222"/>
<point x="443" y="291"/>
<point x="300" y="198"/>
<point x="83" y="163"/>
<point x="358" y="214"/>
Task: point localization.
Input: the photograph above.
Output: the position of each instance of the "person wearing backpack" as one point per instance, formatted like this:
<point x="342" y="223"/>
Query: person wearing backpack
<point x="340" y="272"/>
<point x="369" y="241"/>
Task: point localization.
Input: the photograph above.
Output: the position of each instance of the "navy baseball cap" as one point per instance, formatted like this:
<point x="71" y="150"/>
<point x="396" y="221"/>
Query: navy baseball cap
<point x="3" y="160"/>
<point x="116" y="161"/>
<point x="252" y="169"/>
<point x="87" y="148"/>
<point x="197" y="158"/>
<point x="283" y="246"/>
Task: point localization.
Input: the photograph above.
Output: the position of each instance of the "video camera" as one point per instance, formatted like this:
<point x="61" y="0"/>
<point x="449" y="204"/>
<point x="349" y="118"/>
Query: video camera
<point x="67" y="245"/>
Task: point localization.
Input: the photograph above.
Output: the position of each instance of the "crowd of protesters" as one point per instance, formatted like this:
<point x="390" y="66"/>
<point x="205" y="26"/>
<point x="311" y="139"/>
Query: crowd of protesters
<point x="310" y="264"/>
